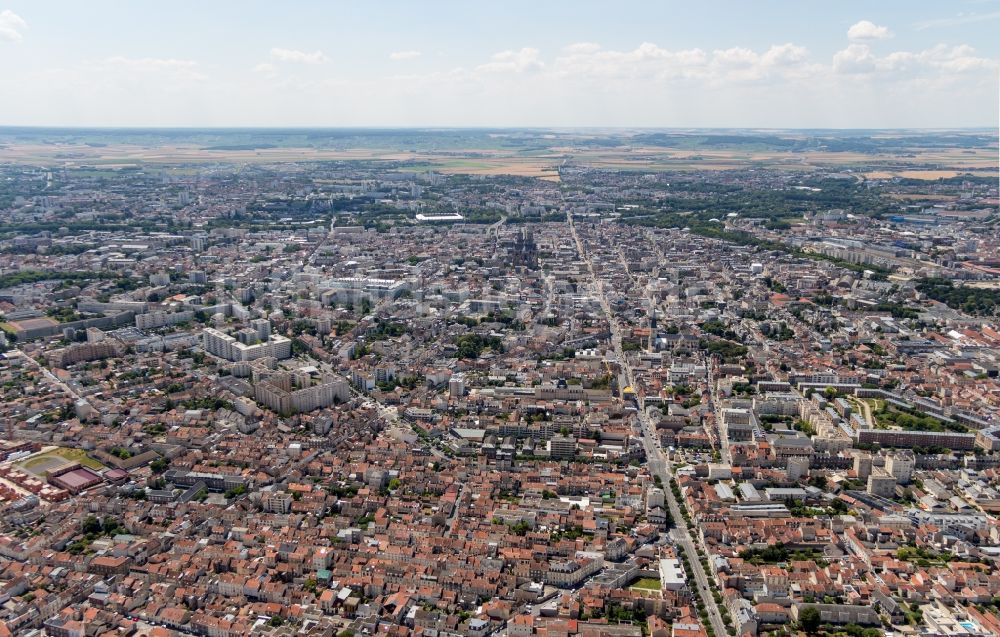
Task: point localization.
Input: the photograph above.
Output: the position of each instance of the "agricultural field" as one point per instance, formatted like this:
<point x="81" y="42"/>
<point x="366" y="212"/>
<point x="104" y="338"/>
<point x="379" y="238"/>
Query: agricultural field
<point x="516" y="153"/>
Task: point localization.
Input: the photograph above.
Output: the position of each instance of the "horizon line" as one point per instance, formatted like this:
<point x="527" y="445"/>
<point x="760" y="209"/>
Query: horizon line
<point x="481" y="128"/>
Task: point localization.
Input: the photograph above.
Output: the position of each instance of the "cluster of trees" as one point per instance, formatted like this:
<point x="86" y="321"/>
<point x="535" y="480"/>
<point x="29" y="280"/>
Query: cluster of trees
<point x="235" y="492"/>
<point x="716" y="231"/>
<point x="197" y="357"/>
<point x="34" y="276"/>
<point x="482" y="215"/>
<point x="601" y="382"/>
<point x="781" y="332"/>
<point x="299" y="347"/>
<point x="804" y="427"/>
<point x="59" y="249"/>
<point x="897" y="310"/>
<point x="468" y="321"/>
<point x="976" y="301"/>
<point x="473" y="345"/>
<point x="570" y="533"/>
<point x="744" y="388"/>
<point x="716" y="200"/>
<point x="302" y="326"/>
<point x="521" y="528"/>
<point x="618" y="613"/>
<point x="386" y="329"/>
<point x="913" y="421"/>
<point x="505" y="318"/>
<point x="773" y="554"/>
<point x="207" y="402"/>
<point x="774" y="285"/>
<point x="921" y="556"/>
<point x="407" y="382"/>
<point x="718" y="328"/>
<point x="64" y="314"/>
<point x="343" y="491"/>
<point x="851" y="630"/>
<point x="93" y="528"/>
<point x="728" y="351"/>
<point x="74" y="227"/>
<point x="631" y="345"/>
<point x="567" y="353"/>
<point x="360" y="351"/>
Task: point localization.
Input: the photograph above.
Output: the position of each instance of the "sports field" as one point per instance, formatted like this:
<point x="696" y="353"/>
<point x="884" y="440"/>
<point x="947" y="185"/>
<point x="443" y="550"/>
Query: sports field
<point x="49" y="460"/>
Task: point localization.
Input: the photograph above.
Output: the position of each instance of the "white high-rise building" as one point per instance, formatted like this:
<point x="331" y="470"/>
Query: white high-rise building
<point x="655" y="498"/>
<point x="900" y="466"/>
<point x="300" y="391"/>
<point x="225" y="346"/>
<point x="263" y="328"/>
<point x="456" y="386"/>
<point x="160" y="278"/>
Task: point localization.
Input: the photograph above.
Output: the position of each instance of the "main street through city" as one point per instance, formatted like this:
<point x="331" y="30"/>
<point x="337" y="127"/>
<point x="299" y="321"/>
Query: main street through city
<point x="659" y="463"/>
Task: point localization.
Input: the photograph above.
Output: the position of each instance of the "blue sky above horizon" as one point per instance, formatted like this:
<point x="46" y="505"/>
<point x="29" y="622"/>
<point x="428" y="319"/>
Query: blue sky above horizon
<point x="559" y="63"/>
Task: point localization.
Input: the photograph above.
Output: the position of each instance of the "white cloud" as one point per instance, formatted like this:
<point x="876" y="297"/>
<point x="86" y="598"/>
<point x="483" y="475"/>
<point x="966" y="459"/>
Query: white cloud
<point x="938" y="60"/>
<point x="11" y="26"/>
<point x="298" y="57"/>
<point x="404" y="55"/>
<point x="784" y="55"/>
<point x="522" y="61"/>
<point x="734" y="57"/>
<point x="956" y="59"/>
<point x="582" y="47"/>
<point x="783" y="85"/>
<point x="867" y="30"/>
<point x="651" y="62"/>
<point x="737" y="64"/>
<point x="169" y="68"/>
<point x="648" y="61"/>
<point x="266" y="69"/>
<point x="856" y="58"/>
<point x="960" y="19"/>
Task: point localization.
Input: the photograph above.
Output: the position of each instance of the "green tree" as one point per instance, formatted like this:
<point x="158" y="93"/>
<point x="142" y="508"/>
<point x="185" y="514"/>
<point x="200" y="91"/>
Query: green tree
<point x="809" y="620"/>
<point x="91" y="525"/>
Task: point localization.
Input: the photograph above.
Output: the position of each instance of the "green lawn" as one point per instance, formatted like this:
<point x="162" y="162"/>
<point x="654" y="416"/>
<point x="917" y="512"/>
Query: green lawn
<point x="646" y="584"/>
<point x="79" y="455"/>
<point x="34" y="462"/>
<point x="72" y="455"/>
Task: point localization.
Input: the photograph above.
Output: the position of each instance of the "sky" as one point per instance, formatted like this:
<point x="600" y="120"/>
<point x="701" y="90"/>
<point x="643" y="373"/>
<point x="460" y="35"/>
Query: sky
<point x="468" y="63"/>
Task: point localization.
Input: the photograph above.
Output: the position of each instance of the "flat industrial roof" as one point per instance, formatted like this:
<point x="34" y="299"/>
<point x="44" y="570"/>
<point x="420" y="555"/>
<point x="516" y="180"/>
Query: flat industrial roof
<point x="77" y="478"/>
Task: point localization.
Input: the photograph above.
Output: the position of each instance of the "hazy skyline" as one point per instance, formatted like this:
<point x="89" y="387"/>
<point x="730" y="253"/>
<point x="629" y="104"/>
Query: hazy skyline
<point x="560" y="64"/>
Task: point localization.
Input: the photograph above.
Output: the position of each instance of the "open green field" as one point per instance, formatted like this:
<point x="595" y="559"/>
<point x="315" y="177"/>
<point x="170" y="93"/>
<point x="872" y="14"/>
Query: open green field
<point x="49" y="460"/>
<point x="646" y="584"/>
